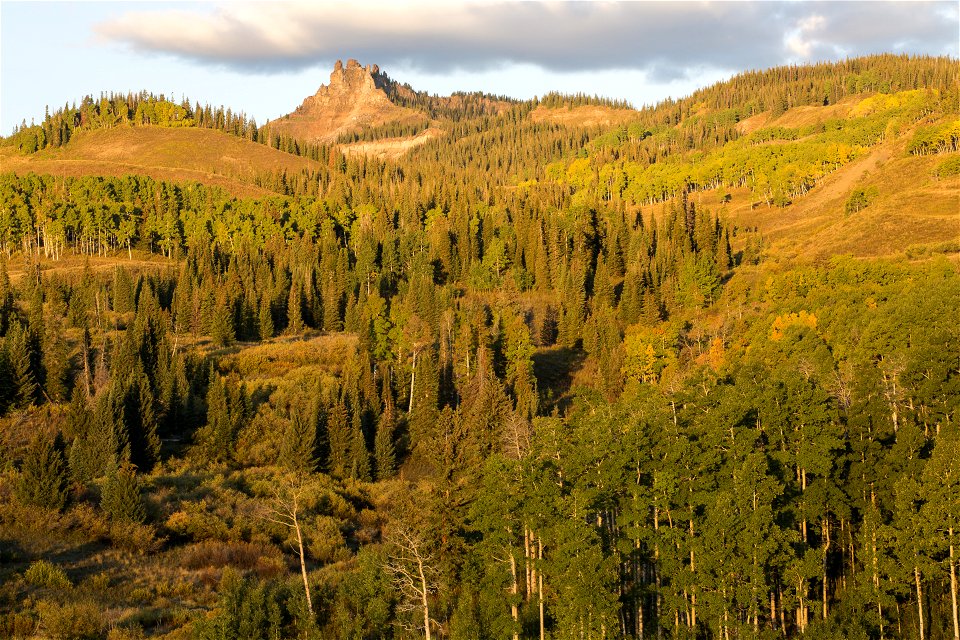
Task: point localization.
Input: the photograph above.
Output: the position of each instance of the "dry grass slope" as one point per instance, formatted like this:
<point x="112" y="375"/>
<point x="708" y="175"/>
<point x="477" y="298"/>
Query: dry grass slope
<point x="202" y="155"/>
<point x="911" y="209"/>
<point x="583" y="116"/>
<point x="391" y="148"/>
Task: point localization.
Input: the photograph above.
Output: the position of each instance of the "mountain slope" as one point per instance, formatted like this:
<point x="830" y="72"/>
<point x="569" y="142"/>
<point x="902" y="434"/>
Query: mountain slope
<point x="355" y="98"/>
<point x="176" y="154"/>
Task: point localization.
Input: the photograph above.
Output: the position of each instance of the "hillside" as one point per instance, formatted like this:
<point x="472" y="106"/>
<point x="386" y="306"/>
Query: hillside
<point x="478" y="369"/>
<point x="174" y="154"/>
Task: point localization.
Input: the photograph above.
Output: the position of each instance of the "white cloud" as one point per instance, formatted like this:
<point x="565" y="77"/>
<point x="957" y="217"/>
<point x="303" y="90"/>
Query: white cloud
<point x="665" y="39"/>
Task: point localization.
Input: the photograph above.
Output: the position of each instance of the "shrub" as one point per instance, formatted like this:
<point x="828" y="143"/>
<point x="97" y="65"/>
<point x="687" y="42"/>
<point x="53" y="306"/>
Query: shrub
<point x="71" y="621"/>
<point x="47" y="575"/>
<point x="17" y="626"/>
<point x="860" y="199"/>
<point x="132" y="536"/>
<point x="948" y="168"/>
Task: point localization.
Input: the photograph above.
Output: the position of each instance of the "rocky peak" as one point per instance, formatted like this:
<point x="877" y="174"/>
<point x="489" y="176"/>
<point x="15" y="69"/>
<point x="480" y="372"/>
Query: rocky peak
<point x="350" y="84"/>
<point x="357" y="95"/>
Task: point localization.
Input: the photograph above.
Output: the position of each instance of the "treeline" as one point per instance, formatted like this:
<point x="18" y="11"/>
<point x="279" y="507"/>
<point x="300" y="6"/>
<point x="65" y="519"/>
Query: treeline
<point x="388" y="130"/>
<point x="457" y="107"/>
<point x="556" y="100"/>
<point x="825" y="83"/>
<point x="141" y="109"/>
<point x="777" y="163"/>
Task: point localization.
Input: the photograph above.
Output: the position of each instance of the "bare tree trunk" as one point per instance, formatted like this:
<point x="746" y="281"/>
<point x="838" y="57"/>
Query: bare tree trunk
<point x="413" y="373"/>
<point x="303" y="564"/>
<point x="540" y="586"/>
<point x="526" y="562"/>
<point x="826" y="550"/>
<point x="286" y="512"/>
<point x="916" y="575"/>
<point x="953" y="590"/>
<point x="514" y="610"/>
<point x="425" y="592"/>
<point x="656" y="564"/>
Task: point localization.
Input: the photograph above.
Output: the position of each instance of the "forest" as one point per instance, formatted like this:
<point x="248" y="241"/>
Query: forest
<point x="527" y="381"/>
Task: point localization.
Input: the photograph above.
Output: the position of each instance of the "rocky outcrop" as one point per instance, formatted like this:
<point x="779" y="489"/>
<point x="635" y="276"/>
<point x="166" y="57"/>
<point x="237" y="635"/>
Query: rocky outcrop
<point x="356" y="96"/>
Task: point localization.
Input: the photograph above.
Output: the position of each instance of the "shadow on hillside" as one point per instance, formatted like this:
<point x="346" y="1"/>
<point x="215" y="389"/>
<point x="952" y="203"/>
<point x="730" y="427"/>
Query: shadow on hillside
<point x="555" y="368"/>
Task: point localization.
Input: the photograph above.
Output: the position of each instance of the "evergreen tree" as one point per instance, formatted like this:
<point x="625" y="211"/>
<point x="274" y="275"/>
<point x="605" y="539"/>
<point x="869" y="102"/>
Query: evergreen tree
<point x="265" y="319"/>
<point x="339" y="437"/>
<point x="121" y="497"/>
<point x="299" y="452"/>
<point x="20" y="358"/>
<point x="43" y="474"/>
<point x="384" y="448"/>
<point x="55" y="362"/>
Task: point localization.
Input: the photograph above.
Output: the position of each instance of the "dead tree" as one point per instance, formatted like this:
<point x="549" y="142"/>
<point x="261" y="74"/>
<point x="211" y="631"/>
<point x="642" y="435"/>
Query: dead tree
<point x="411" y="565"/>
<point x="286" y="511"/>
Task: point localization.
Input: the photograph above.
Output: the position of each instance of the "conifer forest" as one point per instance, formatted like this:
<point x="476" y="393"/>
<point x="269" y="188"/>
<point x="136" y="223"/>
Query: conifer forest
<point x="531" y="378"/>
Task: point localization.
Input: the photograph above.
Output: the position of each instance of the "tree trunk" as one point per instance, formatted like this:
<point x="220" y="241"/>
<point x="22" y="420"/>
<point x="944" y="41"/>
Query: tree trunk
<point x="826" y="550"/>
<point x="656" y="564"/>
<point x="413" y="373"/>
<point x="916" y="575"/>
<point x="514" y="590"/>
<point x="953" y="590"/>
<point x="426" y="605"/>
<point x="540" y="586"/>
<point x="526" y="563"/>
<point x="303" y="564"/>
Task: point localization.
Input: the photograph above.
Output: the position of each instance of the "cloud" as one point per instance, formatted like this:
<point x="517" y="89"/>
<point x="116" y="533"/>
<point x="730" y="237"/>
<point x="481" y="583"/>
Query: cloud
<point x="667" y="40"/>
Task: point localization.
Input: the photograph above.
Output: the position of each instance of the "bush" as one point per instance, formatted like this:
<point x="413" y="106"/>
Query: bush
<point x="860" y="199"/>
<point x="47" y="575"/>
<point x="71" y="621"/>
<point x="131" y="536"/>
<point x="948" y="168"/>
<point x="17" y="626"/>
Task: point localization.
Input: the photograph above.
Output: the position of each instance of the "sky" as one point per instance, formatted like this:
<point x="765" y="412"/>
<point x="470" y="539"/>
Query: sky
<point x="264" y="58"/>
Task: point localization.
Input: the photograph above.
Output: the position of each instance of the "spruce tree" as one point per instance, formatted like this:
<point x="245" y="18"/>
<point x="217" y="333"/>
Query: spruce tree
<point x="338" y="434"/>
<point x="299" y="451"/>
<point x="265" y="319"/>
<point x="121" y="496"/>
<point x="19" y="354"/>
<point x="219" y="429"/>
<point x="221" y="325"/>
<point x="384" y="449"/>
<point x="56" y="364"/>
<point x="43" y="475"/>
<point x="359" y="460"/>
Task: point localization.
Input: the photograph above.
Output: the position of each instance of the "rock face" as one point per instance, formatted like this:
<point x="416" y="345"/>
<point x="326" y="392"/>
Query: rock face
<point x="355" y="97"/>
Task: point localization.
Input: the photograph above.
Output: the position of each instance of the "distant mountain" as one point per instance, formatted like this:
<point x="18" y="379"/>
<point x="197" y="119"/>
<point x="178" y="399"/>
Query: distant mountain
<point x="354" y="98"/>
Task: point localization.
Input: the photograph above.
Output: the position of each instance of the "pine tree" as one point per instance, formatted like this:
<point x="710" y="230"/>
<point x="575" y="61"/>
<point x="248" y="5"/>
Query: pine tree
<point x="339" y="437"/>
<point x="43" y="475"/>
<point x="384" y="449"/>
<point x="299" y="451"/>
<point x="359" y="461"/>
<point x="138" y="419"/>
<point x="221" y="325"/>
<point x="20" y="358"/>
<point x="55" y="361"/>
<point x="121" y="496"/>
<point x="295" y="309"/>
<point x="222" y="420"/>
<point x="265" y="319"/>
<point x="6" y="296"/>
